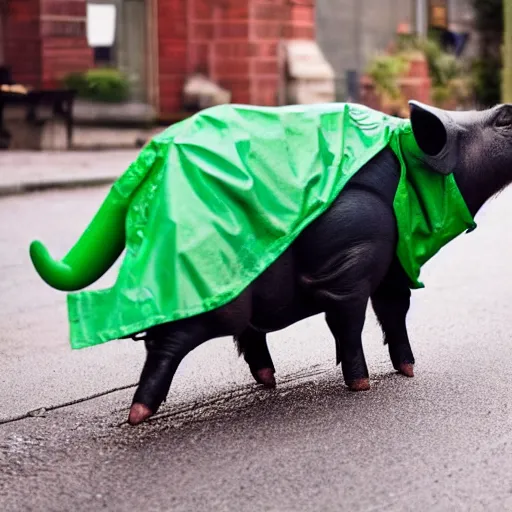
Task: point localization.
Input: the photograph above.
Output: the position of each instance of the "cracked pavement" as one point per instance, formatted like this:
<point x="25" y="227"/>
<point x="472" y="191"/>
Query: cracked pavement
<point x="440" y="441"/>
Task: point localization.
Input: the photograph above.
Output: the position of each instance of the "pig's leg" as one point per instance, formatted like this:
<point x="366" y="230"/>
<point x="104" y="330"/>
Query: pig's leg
<point x="346" y="323"/>
<point x="166" y="346"/>
<point x="253" y="345"/>
<point x="391" y="303"/>
<point x="345" y="254"/>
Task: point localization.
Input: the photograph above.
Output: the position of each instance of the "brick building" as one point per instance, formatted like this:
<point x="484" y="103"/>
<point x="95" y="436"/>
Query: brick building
<point x="158" y="43"/>
<point x="41" y="39"/>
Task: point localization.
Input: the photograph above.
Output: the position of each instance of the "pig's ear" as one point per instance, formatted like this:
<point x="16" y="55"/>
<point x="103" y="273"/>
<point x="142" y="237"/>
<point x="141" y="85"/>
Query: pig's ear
<point x="435" y="133"/>
<point x="428" y="128"/>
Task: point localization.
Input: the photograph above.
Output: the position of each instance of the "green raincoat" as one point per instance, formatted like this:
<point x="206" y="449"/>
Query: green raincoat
<point x="214" y="200"/>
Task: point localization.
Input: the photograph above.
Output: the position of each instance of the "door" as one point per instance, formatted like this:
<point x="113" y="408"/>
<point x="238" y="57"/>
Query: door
<point x="128" y="53"/>
<point x="131" y="46"/>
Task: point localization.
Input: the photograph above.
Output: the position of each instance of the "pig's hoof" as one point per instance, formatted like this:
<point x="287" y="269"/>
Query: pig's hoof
<point x="138" y="414"/>
<point x="265" y="376"/>
<point x="407" y="369"/>
<point x="359" y="385"/>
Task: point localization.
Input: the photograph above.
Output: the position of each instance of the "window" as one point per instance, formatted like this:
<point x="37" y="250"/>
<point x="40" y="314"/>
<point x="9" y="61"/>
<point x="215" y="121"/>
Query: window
<point x="102" y="18"/>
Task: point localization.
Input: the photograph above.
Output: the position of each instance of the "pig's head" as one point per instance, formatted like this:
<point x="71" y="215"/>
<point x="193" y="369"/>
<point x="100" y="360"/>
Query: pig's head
<point x="476" y="146"/>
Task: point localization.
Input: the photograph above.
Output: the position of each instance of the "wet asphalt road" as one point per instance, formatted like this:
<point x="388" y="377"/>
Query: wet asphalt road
<point x="440" y="441"/>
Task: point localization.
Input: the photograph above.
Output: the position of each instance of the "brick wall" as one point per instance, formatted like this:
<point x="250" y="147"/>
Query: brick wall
<point x="64" y="45"/>
<point x="3" y="8"/>
<point x="234" y="42"/>
<point x="271" y="22"/>
<point x="22" y="50"/>
<point x="231" y="52"/>
<point x="172" y="52"/>
<point x="45" y="39"/>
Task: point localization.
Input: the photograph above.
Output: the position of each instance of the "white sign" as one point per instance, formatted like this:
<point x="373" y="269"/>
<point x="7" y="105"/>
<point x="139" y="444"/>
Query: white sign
<point x="101" y="24"/>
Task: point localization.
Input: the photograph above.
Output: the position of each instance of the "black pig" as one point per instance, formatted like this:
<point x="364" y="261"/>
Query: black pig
<point x="341" y="261"/>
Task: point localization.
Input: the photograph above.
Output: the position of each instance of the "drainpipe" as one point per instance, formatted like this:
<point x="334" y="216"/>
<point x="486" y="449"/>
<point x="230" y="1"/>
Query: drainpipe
<point x="421" y="24"/>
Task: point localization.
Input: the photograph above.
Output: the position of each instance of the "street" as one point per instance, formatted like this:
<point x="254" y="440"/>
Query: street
<point x="440" y="441"/>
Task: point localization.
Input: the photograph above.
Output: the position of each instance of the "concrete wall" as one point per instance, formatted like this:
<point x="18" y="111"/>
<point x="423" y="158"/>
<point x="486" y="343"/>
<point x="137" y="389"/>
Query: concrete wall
<point x="351" y="31"/>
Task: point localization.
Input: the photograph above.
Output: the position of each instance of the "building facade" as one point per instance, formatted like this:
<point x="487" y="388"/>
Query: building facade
<point x="42" y="39"/>
<point x="158" y="43"/>
<point x="351" y="32"/>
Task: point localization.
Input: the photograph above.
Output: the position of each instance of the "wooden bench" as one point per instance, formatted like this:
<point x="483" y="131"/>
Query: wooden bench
<point x="60" y="100"/>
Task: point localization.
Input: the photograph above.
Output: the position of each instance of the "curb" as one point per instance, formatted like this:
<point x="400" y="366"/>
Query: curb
<point x="39" y="186"/>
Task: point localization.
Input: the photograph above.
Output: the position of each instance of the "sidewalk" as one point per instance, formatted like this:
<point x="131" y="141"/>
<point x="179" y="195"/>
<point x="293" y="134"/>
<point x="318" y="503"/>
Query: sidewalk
<point x="27" y="171"/>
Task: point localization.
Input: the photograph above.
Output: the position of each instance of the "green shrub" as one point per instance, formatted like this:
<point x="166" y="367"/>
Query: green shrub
<point x="486" y="74"/>
<point x="449" y="80"/>
<point x="102" y="84"/>
<point x="486" y="70"/>
<point x="385" y="70"/>
<point x="76" y="81"/>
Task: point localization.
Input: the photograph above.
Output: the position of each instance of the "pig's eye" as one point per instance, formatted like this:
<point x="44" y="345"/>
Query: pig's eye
<point x="504" y="118"/>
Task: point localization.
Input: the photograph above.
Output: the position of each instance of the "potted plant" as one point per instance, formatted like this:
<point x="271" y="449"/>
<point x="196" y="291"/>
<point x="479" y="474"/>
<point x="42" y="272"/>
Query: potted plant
<point x="103" y="85"/>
